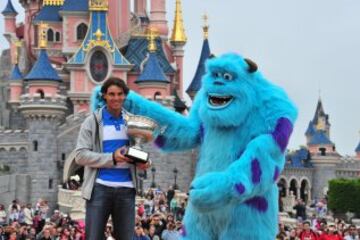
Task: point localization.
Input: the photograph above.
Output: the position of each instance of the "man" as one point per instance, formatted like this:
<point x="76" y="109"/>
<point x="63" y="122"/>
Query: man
<point x="307" y="233"/>
<point x="109" y="177"/>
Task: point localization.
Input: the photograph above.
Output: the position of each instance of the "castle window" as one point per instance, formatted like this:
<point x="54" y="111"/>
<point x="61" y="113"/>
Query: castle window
<point x="322" y="151"/>
<point x="51" y="181"/>
<point x="41" y="92"/>
<point x="35" y="146"/>
<point x="50" y="35"/>
<point x="57" y="37"/>
<point x="63" y="156"/>
<point x="81" y="31"/>
<point x="157" y="94"/>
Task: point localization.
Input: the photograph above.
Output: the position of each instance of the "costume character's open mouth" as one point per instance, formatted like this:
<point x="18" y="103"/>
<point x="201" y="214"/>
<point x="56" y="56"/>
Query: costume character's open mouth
<point x="219" y="101"/>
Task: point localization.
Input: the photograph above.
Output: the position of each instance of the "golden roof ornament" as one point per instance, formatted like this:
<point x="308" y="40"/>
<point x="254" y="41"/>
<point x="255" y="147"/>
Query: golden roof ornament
<point x="42" y="35"/>
<point x="17" y="45"/>
<point x="206" y="26"/>
<point x="53" y="2"/>
<point x="98" y="5"/>
<point x="178" y="32"/>
<point x="151" y="36"/>
<point x="99" y="41"/>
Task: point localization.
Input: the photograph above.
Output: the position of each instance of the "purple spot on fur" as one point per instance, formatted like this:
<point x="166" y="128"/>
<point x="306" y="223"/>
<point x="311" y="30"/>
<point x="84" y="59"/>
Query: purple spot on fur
<point x="256" y="171"/>
<point x="202" y="132"/>
<point x="276" y="173"/>
<point x="259" y="203"/>
<point x="183" y="231"/>
<point x="282" y="132"/>
<point x="160" y="141"/>
<point x="240" y="188"/>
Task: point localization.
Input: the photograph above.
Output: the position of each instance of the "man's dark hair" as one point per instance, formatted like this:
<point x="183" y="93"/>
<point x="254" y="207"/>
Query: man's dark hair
<point x="114" y="81"/>
<point x="306" y="222"/>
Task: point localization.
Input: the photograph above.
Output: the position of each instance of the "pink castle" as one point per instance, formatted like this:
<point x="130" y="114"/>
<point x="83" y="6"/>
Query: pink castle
<point x="70" y="46"/>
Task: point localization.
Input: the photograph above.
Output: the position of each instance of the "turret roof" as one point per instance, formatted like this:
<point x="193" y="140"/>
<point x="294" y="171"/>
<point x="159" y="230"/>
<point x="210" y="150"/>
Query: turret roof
<point x="76" y="6"/>
<point x="195" y="84"/>
<point x="137" y="51"/>
<point x="42" y="70"/>
<point x="319" y="137"/>
<point x="49" y="14"/>
<point x="16" y="73"/>
<point x="152" y="71"/>
<point x="9" y="9"/>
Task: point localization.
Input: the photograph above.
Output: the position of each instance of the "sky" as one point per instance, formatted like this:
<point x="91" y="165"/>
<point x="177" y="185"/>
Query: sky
<point x="310" y="48"/>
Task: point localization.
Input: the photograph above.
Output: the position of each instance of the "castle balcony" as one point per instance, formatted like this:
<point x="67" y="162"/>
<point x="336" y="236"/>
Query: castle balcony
<point x="71" y="202"/>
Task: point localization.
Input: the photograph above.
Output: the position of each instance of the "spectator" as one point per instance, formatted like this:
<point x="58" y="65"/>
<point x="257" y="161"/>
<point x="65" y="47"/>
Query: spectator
<point x="2" y="233"/>
<point x="352" y="233"/>
<point x="300" y="209"/>
<point x="46" y="234"/>
<point x="307" y="233"/>
<point x="170" y="195"/>
<point x="3" y="215"/>
<point x="170" y="232"/>
<point x="139" y="234"/>
<point x="28" y="215"/>
<point x="152" y="235"/>
<point x="330" y="234"/>
<point x="13" y="214"/>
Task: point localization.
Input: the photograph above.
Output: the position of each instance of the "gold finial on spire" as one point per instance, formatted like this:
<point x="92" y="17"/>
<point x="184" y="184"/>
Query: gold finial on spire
<point x="152" y="34"/>
<point x="42" y="35"/>
<point x="206" y="26"/>
<point x="178" y="33"/>
<point x="98" y="5"/>
<point x="53" y="2"/>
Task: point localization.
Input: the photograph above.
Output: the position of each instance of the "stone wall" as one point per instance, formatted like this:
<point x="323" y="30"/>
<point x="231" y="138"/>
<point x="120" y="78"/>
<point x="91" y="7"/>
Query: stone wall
<point x="5" y="68"/>
<point x="15" y="186"/>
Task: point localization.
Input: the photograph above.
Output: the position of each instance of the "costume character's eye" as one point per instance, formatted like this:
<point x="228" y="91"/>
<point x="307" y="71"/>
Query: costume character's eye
<point x="217" y="74"/>
<point x="228" y="76"/>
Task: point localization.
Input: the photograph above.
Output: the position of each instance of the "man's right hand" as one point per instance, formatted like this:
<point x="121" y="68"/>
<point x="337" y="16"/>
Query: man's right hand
<point x="119" y="155"/>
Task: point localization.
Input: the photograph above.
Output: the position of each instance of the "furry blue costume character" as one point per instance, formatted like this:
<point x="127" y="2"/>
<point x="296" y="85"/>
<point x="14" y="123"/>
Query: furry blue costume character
<point x="242" y="124"/>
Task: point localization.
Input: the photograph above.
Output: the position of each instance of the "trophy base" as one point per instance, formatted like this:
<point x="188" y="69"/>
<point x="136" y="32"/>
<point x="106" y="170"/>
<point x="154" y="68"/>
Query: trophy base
<point x="137" y="155"/>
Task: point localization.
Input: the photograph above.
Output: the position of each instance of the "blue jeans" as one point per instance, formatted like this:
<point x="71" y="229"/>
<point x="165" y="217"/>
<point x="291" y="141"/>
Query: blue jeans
<point x="106" y="201"/>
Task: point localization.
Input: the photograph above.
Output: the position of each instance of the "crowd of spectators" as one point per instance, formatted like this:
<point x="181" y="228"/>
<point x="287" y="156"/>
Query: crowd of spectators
<point x="27" y="222"/>
<point x="317" y="227"/>
<point x="158" y="216"/>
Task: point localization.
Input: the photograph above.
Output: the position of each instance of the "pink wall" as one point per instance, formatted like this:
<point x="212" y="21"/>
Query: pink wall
<point x="15" y="91"/>
<point x="315" y="149"/>
<point x="150" y="90"/>
<point x="131" y="82"/>
<point x="70" y="24"/>
<point x="158" y="16"/>
<point x="179" y="63"/>
<point x="48" y="90"/>
<point x="31" y="10"/>
<point x="118" y="17"/>
<point x="78" y="79"/>
<point x="10" y="24"/>
<point x="140" y="7"/>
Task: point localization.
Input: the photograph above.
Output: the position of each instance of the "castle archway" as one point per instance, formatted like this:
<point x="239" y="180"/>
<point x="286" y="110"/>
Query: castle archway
<point x="305" y="190"/>
<point x="282" y="185"/>
<point x="71" y="168"/>
<point x="294" y="188"/>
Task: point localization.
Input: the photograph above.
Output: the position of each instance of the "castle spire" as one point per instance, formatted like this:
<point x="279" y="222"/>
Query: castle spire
<point x="195" y="84"/>
<point x="9" y="9"/>
<point x="178" y="32"/>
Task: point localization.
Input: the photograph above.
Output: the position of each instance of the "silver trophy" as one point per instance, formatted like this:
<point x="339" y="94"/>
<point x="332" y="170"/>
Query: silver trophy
<point x="140" y="130"/>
